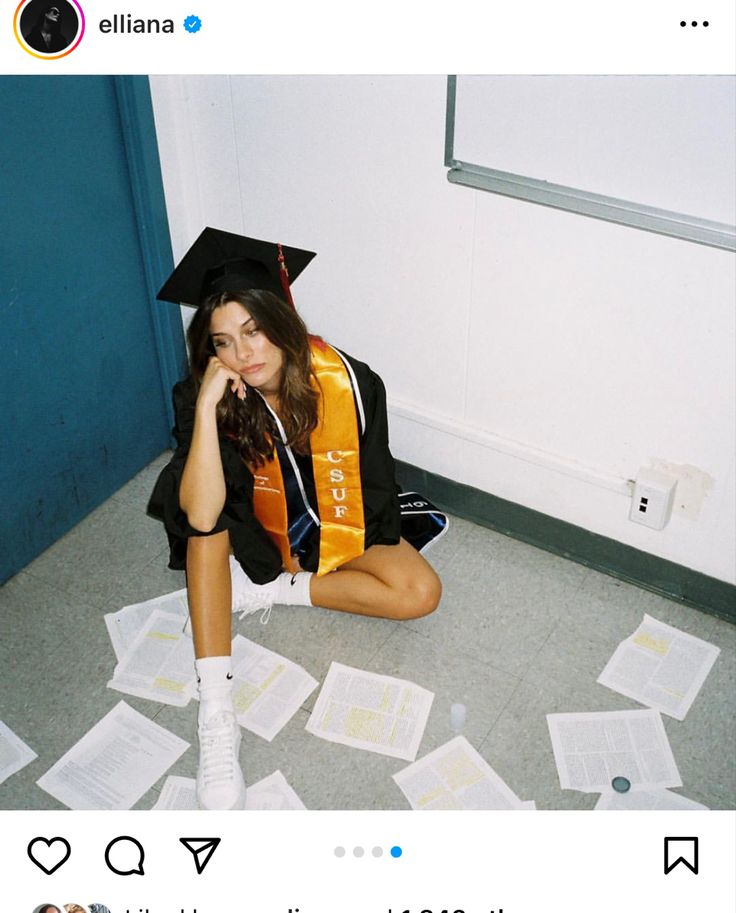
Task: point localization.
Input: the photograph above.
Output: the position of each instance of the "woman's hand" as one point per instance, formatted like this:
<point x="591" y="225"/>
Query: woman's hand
<point x="217" y="377"/>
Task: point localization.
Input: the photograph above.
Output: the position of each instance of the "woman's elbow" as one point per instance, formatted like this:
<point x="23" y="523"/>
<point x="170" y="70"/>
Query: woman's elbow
<point x="200" y="515"/>
<point x="201" y="521"/>
<point x="201" y="525"/>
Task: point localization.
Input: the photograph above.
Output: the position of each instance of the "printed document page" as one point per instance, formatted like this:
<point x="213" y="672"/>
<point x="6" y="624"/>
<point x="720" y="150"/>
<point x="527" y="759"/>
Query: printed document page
<point x="124" y="625"/>
<point x="455" y="776"/>
<point x="268" y="689"/>
<point x="271" y="793"/>
<point x="369" y="711"/>
<point x="592" y="748"/>
<point x="115" y="763"/>
<point x="159" y="664"/>
<point x="653" y="800"/>
<point x="14" y="753"/>
<point x="661" y="667"/>
<point x="178" y="794"/>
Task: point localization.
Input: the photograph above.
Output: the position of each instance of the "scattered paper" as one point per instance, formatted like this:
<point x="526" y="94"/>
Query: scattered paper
<point x="455" y="776"/>
<point x="115" y="763"/>
<point x="273" y="793"/>
<point x="124" y="625"/>
<point x="178" y="794"/>
<point x="159" y="664"/>
<point x="14" y="753"/>
<point x="592" y="748"/>
<point x="654" y="800"/>
<point x="268" y="689"/>
<point x="374" y="712"/>
<point x="660" y="666"/>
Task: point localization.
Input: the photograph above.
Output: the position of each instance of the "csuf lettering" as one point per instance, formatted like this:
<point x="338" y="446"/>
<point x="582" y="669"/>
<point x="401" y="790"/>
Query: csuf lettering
<point x="337" y="475"/>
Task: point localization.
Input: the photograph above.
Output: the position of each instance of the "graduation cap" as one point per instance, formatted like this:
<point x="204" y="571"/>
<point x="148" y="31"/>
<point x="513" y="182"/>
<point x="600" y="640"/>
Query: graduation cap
<point x="220" y="261"/>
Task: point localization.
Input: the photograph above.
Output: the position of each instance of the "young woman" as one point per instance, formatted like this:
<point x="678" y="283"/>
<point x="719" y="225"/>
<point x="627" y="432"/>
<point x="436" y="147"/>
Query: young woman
<point x="282" y="487"/>
<point x="46" y="36"/>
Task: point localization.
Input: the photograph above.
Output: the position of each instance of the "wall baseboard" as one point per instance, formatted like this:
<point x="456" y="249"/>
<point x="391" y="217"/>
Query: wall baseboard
<point x="716" y="597"/>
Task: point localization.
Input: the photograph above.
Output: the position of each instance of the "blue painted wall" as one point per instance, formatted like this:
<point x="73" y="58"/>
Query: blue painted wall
<point x="84" y="400"/>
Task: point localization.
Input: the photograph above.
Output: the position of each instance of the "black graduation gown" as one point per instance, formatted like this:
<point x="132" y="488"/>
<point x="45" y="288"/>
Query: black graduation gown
<point x="251" y="544"/>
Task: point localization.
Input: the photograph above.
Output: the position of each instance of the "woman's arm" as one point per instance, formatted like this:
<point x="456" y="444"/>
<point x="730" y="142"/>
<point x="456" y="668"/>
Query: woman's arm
<point x="202" y="490"/>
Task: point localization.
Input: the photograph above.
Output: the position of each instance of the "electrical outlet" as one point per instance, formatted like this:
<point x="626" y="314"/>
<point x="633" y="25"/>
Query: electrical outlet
<point x="654" y="494"/>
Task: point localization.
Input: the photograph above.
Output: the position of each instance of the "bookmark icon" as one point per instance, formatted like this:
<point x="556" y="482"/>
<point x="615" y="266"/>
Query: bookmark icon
<point x="202" y="849"/>
<point x="681" y="850"/>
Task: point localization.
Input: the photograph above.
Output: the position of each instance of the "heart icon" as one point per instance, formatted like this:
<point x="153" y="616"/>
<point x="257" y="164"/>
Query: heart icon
<point x="49" y="857"/>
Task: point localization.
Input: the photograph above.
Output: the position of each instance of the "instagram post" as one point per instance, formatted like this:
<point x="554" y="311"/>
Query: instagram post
<point x="369" y="449"/>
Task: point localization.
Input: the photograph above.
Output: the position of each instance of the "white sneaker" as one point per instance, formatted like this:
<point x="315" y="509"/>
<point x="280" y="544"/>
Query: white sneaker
<point x="220" y="784"/>
<point x="249" y="597"/>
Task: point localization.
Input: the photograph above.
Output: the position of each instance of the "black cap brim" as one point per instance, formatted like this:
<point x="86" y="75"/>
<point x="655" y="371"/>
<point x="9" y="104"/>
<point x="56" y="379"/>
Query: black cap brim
<point x="220" y="261"/>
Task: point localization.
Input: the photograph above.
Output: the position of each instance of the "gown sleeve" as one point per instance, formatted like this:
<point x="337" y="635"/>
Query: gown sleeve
<point x="377" y="470"/>
<point x="251" y="545"/>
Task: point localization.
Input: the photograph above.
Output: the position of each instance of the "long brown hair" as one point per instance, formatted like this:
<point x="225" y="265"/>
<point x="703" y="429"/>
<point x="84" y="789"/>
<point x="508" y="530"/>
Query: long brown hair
<point x="248" y="421"/>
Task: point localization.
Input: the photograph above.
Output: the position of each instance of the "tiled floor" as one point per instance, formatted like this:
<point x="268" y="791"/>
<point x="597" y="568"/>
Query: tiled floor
<point x="519" y="634"/>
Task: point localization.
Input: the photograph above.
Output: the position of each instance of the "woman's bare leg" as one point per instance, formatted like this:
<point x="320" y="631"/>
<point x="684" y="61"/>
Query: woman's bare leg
<point x="387" y="581"/>
<point x="209" y="592"/>
<point x="220" y="784"/>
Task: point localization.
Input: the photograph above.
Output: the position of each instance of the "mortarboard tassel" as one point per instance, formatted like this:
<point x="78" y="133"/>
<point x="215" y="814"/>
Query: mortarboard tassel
<point x="284" y="276"/>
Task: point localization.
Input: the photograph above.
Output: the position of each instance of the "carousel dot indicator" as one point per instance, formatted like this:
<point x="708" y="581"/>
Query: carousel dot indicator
<point x="377" y="851"/>
<point x="358" y="852"/>
<point x="396" y="851"/>
<point x="339" y="851"/>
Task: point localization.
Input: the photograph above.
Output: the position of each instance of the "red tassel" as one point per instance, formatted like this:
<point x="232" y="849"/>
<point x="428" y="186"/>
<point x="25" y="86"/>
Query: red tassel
<point x="284" y="276"/>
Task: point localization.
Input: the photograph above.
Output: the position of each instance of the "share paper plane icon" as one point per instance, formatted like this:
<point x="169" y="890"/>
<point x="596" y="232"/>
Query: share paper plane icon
<point x="201" y="848"/>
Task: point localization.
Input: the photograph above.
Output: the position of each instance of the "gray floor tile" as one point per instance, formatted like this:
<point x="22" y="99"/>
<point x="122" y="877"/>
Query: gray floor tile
<point x="722" y="634"/>
<point x="137" y="492"/>
<point x="704" y="743"/>
<point x="147" y="582"/>
<point x="519" y="633"/>
<point x="519" y="746"/>
<point x="91" y="560"/>
<point x="315" y="637"/>
<point x="605" y="602"/>
<point x="325" y="775"/>
<point x="453" y="678"/>
<point x="570" y="655"/>
<point x="498" y="614"/>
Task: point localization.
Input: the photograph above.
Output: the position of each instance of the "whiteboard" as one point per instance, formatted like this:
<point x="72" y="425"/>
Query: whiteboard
<point x="667" y="142"/>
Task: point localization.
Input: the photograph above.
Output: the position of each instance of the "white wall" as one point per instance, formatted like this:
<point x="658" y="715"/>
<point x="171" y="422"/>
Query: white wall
<point x="534" y="354"/>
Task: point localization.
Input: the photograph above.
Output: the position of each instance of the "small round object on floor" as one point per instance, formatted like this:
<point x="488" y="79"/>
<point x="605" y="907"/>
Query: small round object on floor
<point x="621" y="784"/>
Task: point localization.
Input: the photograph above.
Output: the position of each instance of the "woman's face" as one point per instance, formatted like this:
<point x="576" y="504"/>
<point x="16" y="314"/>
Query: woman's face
<point x="53" y="14"/>
<point x="241" y="345"/>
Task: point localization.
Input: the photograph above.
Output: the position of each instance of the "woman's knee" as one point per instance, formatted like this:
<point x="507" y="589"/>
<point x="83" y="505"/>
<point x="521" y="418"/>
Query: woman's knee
<point x="422" y="596"/>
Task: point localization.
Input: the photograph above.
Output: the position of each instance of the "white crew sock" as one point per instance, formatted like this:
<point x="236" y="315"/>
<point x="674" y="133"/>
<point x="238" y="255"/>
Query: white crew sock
<point x="214" y="677"/>
<point x="292" y="589"/>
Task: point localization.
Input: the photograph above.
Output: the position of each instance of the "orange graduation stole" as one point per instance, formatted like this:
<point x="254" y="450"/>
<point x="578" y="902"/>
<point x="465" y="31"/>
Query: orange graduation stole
<point x="336" y="465"/>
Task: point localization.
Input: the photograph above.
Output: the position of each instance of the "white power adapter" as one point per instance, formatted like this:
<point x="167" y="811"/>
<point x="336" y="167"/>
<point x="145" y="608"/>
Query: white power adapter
<point x="654" y="494"/>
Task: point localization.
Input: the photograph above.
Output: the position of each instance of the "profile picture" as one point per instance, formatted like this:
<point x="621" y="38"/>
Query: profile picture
<point x="50" y="28"/>
<point x="75" y="908"/>
<point x="47" y="908"/>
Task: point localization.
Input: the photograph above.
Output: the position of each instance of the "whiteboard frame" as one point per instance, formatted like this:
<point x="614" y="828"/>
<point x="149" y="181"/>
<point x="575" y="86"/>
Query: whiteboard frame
<point x="610" y="209"/>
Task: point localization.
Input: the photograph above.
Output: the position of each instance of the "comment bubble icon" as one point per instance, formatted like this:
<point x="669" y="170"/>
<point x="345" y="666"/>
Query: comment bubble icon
<point x="124" y="856"/>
